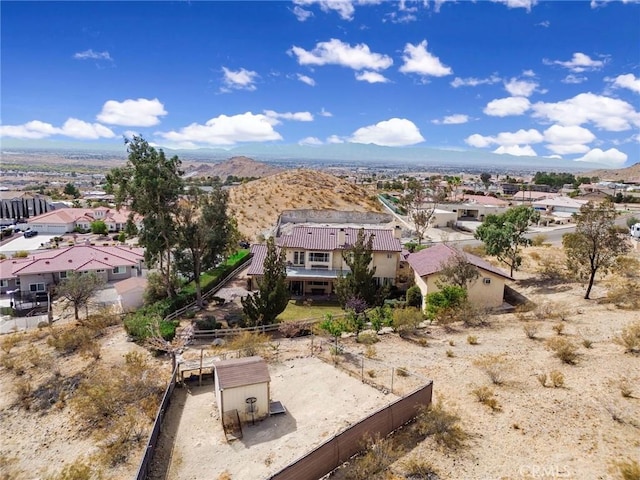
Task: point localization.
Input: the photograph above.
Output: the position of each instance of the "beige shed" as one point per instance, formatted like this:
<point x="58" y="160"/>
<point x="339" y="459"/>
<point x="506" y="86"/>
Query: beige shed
<point x="242" y="385"/>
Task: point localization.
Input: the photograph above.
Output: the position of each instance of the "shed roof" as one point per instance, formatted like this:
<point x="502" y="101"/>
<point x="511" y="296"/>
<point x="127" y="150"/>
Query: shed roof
<point x="239" y="372"/>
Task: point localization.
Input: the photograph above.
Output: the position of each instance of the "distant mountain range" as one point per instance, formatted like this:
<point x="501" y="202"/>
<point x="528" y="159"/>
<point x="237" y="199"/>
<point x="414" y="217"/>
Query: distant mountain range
<point x="343" y="153"/>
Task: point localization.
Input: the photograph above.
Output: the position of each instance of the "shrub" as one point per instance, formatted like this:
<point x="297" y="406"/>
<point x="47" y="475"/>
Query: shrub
<point x="531" y="329"/>
<point x="402" y="372"/>
<point x="248" y="344"/>
<point x="414" y="297"/>
<point x="80" y="469"/>
<point x="472" y="340"/>
<point x="415" y="467"/>
<point x="21" y="254"/>
<point x="208" y="322"/>
<point x="139" y="325"/>
<point x="494" y="366"/>
<point x="443" y="426"/>
<point x="628" y="469"/>
<point x="558" y="328"/>
<point x="542" y="378"/>
<point x="486" y="396"/>
<point x="538" y="240"/>
<point x="630" y="338"/>
<point x="586" y="343"/>
<point x="564" y="350"/>
<point x="70" y="340"/>
<point x="370" y="351"/>
<point x="379" y="454"/>
<point x="557" y="378"/>
<point x="450" y="353"/>
<point x="406" y="320"/>
<point x="626" y="390"/>
<point x="367" y="338"/>
<point x="9" y="341"/>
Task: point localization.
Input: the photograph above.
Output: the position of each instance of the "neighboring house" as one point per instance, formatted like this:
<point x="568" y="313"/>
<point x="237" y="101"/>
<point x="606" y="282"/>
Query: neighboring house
<point x="66" y="220"/>
<point x="530" y="197"/>
<point x="314" y="257"/>
<point x="486" y="291"/>
<point x="242" y="385"/>
<point x="476" y="207"/>
<point x="35" y="273"/>
<point x="131" y="293"/>
<point x="22" y="205"/>
<point x="559" y="206"/>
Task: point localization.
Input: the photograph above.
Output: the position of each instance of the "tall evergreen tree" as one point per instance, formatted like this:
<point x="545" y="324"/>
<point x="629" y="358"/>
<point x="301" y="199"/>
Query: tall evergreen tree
<point x="272" y="296"/>
<point x="359" y="281"/>
<point x="204" y="232"/>
<point x="151" y="184"/>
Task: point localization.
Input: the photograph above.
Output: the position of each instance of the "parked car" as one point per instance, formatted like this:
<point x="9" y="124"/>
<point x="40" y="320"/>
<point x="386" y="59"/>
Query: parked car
<point x="30" y="233"/>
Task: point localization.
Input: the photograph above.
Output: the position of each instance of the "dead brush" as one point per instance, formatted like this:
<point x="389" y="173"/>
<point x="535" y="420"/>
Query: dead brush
<point x="494" y="366"/>
<point x="379" y="454"/>
<point x="627" y="469"/>
<point x="629" y="338"/>
<point x="9" y="341"/>
<point x="415" y="467"/>
<point x="564" y="349"/>
<point x="486" y="396"/>
<point x="531" y="329"/>
<point x="443" y="426"/>
<point x="557" y="379"/>
<point x="80" y="469"/>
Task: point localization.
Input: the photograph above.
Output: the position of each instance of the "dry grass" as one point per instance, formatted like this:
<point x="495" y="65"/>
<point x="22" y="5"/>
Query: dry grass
<point x="531" y="329"/>
<point x="443" y="426"/>
<point x="564" y="349"/>
<point x="627" y="469"/>
<point x="630" y="338"/>
<point x="486" y="396"/>
<point x="495" y="366"/>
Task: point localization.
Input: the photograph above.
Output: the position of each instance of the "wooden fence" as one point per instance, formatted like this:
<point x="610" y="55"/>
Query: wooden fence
<point x="211" y="292"/>
<point x="337" y="450"/>
<point x="145" y="464"/>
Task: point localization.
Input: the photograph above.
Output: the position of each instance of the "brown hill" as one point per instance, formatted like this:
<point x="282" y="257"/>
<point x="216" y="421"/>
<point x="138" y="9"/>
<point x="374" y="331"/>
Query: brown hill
<point x="256" y="205"/>
<point x="236" y="166"/>
<point x="629" y="174"/>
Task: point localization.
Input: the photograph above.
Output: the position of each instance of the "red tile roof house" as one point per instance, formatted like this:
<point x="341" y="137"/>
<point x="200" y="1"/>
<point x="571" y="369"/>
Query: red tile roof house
<point x="65" y="220"/>
<point x="314" y="257"/>
<point x="486" y="291"/>
<point x="34" y="274"/>
<point x="476" y="206"/>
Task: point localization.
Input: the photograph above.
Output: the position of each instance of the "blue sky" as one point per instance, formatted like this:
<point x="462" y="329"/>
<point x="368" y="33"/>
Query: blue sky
<point x="521" y="77"/>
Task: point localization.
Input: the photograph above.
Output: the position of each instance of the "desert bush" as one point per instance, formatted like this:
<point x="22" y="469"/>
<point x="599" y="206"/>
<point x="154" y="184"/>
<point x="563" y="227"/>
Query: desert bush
<point x="23" y="389"/>
<point x="295" y="329"/>
<point x="531" y="329"/>
<point x="450" y="353"/>
<point x="38" y="359"/>
<point x="477" y="250"/>
<point x="379" y="454"/>
<point x="472" y="340"/>
<point x="558" y="328"/>
<point x="415" y="467"/>
<point x="9" y="341"/>
<point x="627" y="267"/>
<point x="538" y="240"/>
<point x="542" y="378"/>
<point x="630" y="338"/>
<point x="121" y="440"/>
<point x="627" y="469"/>
<point x="367" y="338"/>
<point x="10" y="469"/>
<point x="626" y="390"/>
<point x="443" y="426"/>
<point x="370" y="351"/>
<point x="80" y="469"/>
<point x="534" y="256"/>
<point x="494" y="366"/>
<point x="8" y="361"/>
<point x="402" y="372"/>
<point x="414" y="296"/>
<point x="207" y="322"/>
<point x="248" y="344"/>
<point x="564" y="349"/>
<point x="70" y="340"/>
<point x="624" y="295"/>
<point x="406" y="320"/>
<point x="552" y="270"/>
<point x="486" y="396"/>
<point x="557" y="379"/>
<point x="587" y="343"/>
<point x="371" y="373"/>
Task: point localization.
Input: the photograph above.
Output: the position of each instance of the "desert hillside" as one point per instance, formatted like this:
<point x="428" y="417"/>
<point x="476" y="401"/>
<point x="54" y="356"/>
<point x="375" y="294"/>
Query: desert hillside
<point x="629" y="174"/>
<point x="256" y="205"/>
<point x="236" y="166"/>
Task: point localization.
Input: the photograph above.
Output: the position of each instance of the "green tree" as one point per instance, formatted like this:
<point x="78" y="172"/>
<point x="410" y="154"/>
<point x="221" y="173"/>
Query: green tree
<point x="444" y="304"/>
<point x="98" y="227"/>
<point x="631" y="221"/>
<point x="420" y="203"/>
<point x="414" y="296"/>
<point x="504" y="235"/>
<point x="71" y="190"/>
<point x="204" y="233"/>
<point x="272" y="296"/>
<point x="151" y="184"/>
<point x="595" y="244"/>
<point x="359" y="282"/>
<point x="78" y="288"/>
<point x="334" y="327"/>
<point x="459" y="271"/>
<point x="485" y="178"/>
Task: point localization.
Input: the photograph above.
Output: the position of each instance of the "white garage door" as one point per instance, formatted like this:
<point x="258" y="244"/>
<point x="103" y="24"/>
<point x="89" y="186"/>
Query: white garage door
<point x="55" y="229"/>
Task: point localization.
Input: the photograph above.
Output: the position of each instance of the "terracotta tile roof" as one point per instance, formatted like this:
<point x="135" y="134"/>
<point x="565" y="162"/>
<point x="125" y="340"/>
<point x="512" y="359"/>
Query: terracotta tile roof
<point x="259" y="252"/>
<point x="238" y="372"/>
<point x="430" y="260"/>
<point x="327" y="239"/>
<point x="484" y="200"/>
<point x="71" y="215"/>
<point x="78" y="258"/>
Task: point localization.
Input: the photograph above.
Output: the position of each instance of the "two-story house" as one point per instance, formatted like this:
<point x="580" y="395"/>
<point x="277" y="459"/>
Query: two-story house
<point x="314" y="257"/>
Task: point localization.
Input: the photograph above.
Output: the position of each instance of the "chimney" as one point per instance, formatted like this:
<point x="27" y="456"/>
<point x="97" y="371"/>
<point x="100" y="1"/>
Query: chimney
<point x="397" y="232"/>
<point x="341" y="237"/>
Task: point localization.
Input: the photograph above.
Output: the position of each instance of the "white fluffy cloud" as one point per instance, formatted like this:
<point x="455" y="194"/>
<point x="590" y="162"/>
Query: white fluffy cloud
<point x="132" y="113"/>
<point x="418" y="60"/>
<point x="520" y="88"/>
<point x="574" y="79"/>
<point x="568" y="139"/>
<point x="503" y="107"/>
<point x="506" y="139"/>
<point x="306" y="79"/>
<point x="325" y="113"/>
<point x="580" y="62"/>
<point x="455" y="119"/>
<point x="613" y="157"/>
<point x="371" y="77"/>
<point x="335" y="52"/>
<point x="606" y="113"/>
<point x="335" y="139"/>
<point x="395" y="132"/>
<point x="73" y="128"/>
<point x="225" y="130"/>
<point x="301" y="14"/>
<point x="239" y="79"/>
<point x="295" y="116"/>
<point x="344" y="8"/>
<point x="629" y="81"/>
<point x="526" y="4"/>
<point x="517" y="150"/>
<point x="91" y="55"/>
<point x="474" y="82"/>
<point x="310" y="141"/>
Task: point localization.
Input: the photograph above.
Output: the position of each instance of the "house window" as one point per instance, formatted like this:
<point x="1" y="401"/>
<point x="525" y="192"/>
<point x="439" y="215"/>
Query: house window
<point x="17" y="282"/>
<point x="36" y="287"/>
<point x="319" y="284"/>
<point x="319" y="257"/>
<point x="101" y="270"/>
<point x="486" y="280"/>
<point x="4" y="283"/>
<point x="118" y="270"/>
<point x="389" y="255"/>
<point x="298" y="258"/>
<point x="64" y="275"/>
